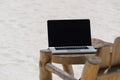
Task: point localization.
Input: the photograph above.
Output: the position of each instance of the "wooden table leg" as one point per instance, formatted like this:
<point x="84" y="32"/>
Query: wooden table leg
<point x="45" y="57"/>
<point x="68" y="68"/>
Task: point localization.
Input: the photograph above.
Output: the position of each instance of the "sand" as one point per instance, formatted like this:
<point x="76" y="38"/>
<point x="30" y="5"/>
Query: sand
<point x="23" y="30"/>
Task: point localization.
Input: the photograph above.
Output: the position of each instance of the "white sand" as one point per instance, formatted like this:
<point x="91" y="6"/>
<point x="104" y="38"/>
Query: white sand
<point x="23" y="30"/>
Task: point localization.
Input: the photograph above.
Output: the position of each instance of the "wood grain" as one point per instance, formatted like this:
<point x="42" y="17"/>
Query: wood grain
<point x="105" y="55"/>
<point x="116" y="52"/>
<point x="45" y="57"/>
<point x="59" y="72"/>
<point x="91" y="68"/>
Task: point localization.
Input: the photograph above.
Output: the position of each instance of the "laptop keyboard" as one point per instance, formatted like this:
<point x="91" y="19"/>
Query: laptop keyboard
<point x="69" y="48"/>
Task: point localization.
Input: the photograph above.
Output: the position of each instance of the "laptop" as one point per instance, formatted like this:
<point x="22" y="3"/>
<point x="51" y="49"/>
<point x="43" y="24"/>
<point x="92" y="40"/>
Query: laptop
<point x="69" y="36"/>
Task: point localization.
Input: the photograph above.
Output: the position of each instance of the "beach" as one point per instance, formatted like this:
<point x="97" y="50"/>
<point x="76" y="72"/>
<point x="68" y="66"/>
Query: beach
<point x="23" y="31"/>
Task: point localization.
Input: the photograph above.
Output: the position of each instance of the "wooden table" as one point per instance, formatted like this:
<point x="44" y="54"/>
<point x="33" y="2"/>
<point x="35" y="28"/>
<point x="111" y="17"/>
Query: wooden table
<point x="66" y="61"/>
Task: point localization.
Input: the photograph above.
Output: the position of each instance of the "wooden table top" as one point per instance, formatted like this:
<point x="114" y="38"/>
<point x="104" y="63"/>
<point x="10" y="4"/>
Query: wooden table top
<point x="76" y="58"/>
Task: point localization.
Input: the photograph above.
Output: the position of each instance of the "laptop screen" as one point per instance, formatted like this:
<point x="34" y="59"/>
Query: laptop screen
<point x="69" y="33"/>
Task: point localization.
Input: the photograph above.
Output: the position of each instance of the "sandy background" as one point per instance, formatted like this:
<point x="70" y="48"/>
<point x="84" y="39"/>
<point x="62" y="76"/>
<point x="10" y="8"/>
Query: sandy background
<point x="23" y="30"/>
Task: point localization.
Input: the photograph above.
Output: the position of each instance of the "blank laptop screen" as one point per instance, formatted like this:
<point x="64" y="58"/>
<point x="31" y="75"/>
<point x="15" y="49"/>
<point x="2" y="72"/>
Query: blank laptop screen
<point x="69" y="33"/>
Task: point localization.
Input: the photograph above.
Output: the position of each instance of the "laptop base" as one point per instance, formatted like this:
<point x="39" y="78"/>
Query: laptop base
<point x="73" y="51"/>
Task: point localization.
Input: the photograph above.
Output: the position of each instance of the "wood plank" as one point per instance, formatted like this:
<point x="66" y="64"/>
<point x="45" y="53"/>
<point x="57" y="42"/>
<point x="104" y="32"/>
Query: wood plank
<point x="97" y="43"/>
<point x="116" y="52"/>
<point x="68" y="68"/>
<point x="111" y="76"/>
<point x="45" y="57"/>
<point x="105" y="55"/>
<point x="71" y="59"/>
<point x="91" y="68"/>
<point x="59" y="72"/>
